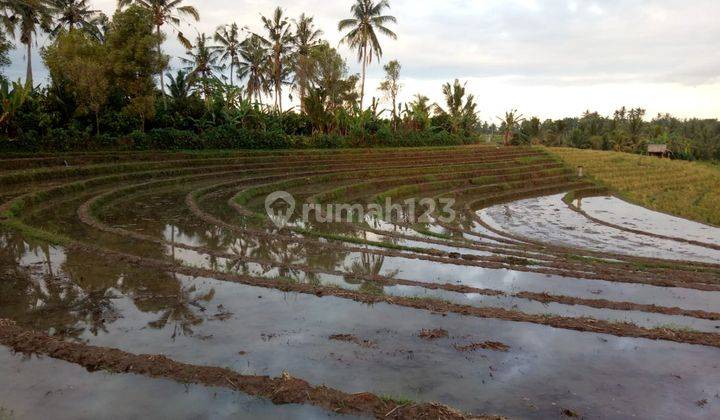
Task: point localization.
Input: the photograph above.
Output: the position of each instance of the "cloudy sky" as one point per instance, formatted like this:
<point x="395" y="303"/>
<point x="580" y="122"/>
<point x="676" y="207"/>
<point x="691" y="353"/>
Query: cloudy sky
<point x="550" y="58"/>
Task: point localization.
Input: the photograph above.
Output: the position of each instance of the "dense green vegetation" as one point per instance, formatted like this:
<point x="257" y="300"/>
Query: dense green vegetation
<point x="103" y="90"/>
<point x="111" y="87"/>
<point x="625" y="131"/>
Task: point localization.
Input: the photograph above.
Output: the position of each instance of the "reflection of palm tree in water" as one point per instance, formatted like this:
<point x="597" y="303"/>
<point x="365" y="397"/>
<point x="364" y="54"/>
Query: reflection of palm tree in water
<point x="15" y="247"/>
<point x="49" y="301"/>
<point x="368" y="266"/>
<point x="12" y="248"/>
<point x="216" y="238"/>
<point x="178" y="310"/>
<point x="242" y="248"/>
<point x="45" y="299"/>
<point x="279" y="253"/>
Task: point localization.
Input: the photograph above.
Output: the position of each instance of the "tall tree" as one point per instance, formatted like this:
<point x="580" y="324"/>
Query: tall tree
<point x="165" y="12"/>
<point x="133" y="60"/>
<point x="78" y="61"/>
<point x="228" y="36"/>
<point x="306" y="38"/>
<point x="462" y="114"/>
<point x="391" y="86"/>
<point x="329" y="75"/>
<point x="253" y="66"/>
<point x="26" y="17"/>
<point x="280" y="41"/>
<point x="203" y="64"/>
<point x="74" y="14"/>
<point x="367" y="19"/>
<point x="510" y="124"/>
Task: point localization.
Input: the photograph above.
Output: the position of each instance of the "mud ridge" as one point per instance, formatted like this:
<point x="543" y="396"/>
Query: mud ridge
<point x="282" y="390"/>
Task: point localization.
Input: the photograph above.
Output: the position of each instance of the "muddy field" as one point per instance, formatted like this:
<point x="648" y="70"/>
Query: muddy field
<point x="156" y="284"/>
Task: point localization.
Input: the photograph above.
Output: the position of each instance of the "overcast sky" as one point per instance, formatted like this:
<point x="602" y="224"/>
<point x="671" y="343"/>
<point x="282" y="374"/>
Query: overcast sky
<point x="549" y="58"/>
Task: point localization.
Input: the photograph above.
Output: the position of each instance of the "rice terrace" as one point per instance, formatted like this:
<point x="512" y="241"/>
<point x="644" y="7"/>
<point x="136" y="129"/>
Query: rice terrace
<point x="273" y="220"/>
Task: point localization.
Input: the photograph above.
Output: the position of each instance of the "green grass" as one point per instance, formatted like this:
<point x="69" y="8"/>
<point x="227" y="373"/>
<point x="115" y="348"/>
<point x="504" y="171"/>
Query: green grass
<point x="675" y="327"/>
<point x="686" y="189"/>
<point x="390" y="399"/>
<point x="527" y="160"/>
<point x="372" y="288"/>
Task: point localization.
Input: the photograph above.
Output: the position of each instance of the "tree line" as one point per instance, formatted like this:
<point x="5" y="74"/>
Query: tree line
<point x="110" y="86"/>
<point x="627" y="130"/>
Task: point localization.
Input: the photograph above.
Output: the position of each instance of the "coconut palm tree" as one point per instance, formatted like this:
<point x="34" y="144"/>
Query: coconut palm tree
<point x="179" y="85"/>
<point x="74" y="14"/>
<point x="280" y="42"/>
<point x="417" y="112"/>
<point x="26" y="16"/>
<point x="166" y="12"/>
<point x="253" y="65"/>
<point x="203" y="64"/>
<point x="367" y="19"/>
<point x="510" y="123"/>
<point x="228" y="37"/>
<point x="306" y="38"/>
<point x="462" y="115"/>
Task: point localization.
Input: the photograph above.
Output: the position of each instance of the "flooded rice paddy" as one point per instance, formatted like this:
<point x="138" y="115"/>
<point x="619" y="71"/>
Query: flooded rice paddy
<point x="538" y="308"/>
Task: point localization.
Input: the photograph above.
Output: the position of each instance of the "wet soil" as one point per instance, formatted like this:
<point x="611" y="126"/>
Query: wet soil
<point x="283" y="390"/>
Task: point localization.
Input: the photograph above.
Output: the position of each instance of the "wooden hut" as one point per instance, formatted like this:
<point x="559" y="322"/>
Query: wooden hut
<point x="659" y="150"/>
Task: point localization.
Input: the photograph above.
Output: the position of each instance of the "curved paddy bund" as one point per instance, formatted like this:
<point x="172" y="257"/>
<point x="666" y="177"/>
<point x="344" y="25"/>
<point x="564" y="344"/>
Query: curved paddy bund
<point x="124" y="250"/>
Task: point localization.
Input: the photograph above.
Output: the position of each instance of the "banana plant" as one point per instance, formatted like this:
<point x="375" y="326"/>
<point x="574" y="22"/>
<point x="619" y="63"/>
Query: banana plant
<point x="11" y="99"/>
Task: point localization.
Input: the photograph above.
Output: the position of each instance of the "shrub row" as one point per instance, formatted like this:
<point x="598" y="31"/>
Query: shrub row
<point x="221" y="137"/>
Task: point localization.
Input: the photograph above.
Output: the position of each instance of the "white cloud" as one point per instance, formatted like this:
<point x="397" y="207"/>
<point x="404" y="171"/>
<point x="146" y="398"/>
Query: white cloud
<point x="595" y="9"/>
<point x="544" y="57"/>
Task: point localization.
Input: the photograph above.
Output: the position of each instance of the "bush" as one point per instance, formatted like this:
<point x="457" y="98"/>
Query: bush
<point x="172" y="139"/>
<point x="226" y="136"/>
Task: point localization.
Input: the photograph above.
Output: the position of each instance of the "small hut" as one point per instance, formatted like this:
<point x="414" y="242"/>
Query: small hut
<point x="659" y="150"/>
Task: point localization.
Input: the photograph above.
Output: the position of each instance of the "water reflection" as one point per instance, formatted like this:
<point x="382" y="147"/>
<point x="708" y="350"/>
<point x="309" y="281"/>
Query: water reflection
<point x="70" y="293"/>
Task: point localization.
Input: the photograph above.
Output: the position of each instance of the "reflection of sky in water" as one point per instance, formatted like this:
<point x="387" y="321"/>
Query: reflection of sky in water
<point x="45" y="388"/>
<point x="549" y="219"/>
<point x="516" y="281"/>
<point x="434" y="272"/>
<point x="279" y="331"/>
<point x="619" y="212"/>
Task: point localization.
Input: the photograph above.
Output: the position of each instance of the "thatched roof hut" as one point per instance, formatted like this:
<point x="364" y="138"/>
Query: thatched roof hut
<point x="660" y="150"/>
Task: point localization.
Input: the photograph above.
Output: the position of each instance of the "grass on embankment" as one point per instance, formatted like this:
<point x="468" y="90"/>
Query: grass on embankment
<point x="686" y="189"/>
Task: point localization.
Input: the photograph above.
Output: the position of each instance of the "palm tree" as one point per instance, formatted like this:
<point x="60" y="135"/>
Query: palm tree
<point x="27" y="16"/>
<point x="203" y="63"/>
<point x="253" y="66"/>
<point x="462" y="115"/>
<point x="179" y="85"/>
<point x="280" y="39"/>
<point x="510" y="122"/>
<point x="306" y="38"/>
<point x="367" y="18"/>
<point x="166" y="12"/>
<point x="418" y="112"/>
<point x="228" y="38"/>
<point x="74" y="14"/>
